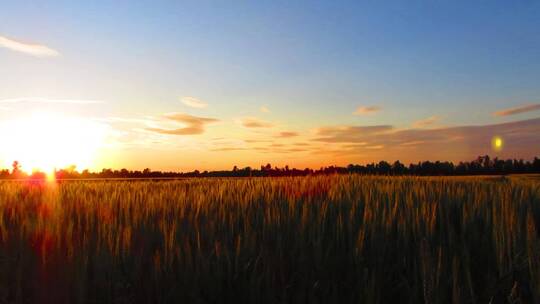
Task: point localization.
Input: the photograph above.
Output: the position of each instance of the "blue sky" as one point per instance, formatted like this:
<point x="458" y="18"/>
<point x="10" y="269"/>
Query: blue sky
<point x="311" y="63"/>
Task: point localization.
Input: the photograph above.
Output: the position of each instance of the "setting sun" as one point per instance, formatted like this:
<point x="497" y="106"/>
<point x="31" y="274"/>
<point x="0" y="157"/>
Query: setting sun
<point x="45" y="141"/>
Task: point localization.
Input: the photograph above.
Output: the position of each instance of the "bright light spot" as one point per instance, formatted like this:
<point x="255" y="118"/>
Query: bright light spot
<point x="497" y="143"/>
<point x="46" y="141"/>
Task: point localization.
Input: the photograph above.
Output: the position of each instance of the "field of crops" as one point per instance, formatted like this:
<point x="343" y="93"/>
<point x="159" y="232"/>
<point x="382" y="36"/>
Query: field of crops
<point x="324" y="239"/>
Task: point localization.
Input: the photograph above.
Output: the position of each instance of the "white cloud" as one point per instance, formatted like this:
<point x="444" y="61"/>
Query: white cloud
<point x="36" y="50"/>
<point x="265" y="109"/>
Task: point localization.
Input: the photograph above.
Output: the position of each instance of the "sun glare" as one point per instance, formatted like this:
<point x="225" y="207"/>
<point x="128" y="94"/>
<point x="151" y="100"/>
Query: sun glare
<point x="497" y="143"/>
<point x="46" y="141"/>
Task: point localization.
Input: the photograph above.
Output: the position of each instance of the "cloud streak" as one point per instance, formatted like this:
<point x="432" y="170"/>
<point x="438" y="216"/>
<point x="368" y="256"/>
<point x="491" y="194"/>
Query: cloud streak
<point x="193" y="102"/>
<point x="193" y="125"/>
<point x="518" y="110"/>
<point x="287" y="134"/>
<point x="252" y="122"/>
<point x="350" y="133"/>
<point x="36" y="50"/>
<point x="367" y="110"/>
<point x="426" y="122"/>
<point x="228" y="149"/>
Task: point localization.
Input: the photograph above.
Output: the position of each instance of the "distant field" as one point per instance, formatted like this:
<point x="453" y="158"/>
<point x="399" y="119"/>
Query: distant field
<point x="324" y="239"/>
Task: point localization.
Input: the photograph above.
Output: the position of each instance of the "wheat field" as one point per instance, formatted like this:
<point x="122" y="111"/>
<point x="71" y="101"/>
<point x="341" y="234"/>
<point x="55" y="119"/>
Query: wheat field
<point x="318" y="239"/>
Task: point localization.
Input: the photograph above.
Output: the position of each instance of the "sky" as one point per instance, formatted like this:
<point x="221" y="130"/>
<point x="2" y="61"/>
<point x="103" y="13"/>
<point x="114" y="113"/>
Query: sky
<point x="183" y="85"/>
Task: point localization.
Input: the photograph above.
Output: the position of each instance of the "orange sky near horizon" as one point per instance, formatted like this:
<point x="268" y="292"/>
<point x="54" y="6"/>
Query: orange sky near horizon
<point x="48" y="140"/>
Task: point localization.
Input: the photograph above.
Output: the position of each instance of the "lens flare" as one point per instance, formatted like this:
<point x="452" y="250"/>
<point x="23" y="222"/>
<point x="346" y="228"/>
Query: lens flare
<point x="497" y="143"/>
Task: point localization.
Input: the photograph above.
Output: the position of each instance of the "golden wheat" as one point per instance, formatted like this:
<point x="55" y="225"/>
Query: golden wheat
<point x="271" y="240"/>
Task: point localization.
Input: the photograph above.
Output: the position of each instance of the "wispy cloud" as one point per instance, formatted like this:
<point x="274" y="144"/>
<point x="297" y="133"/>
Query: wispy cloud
<point x="228" y="149"/>
<point x="430" y="121"/>
<point x="254" y="141"/>
<point x="190" y="119"/>
<point x="350" y="133"/>
<point x="451" y="143"/>
<point x="280" y="148"/>
<point x="412" y="143"/>
<point x="227" y="145"/>
<point x="193" y="125"/>
<point x="193" y="102"/>
<point x="48" y="100"/>
<point x="252" y="122"/>
<point x="286" y="134"/>
<point x="518" y="110"/>
<point x="366" y="110"/>
<point x="265" y="109"/>
<point x="181" y="131"/>
<point x="36" y="50"/>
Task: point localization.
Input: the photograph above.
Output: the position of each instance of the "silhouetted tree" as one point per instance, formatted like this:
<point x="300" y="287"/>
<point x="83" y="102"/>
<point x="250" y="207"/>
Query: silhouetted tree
<point x="16" y="170"/>
<point x="398" y="168"/>
<point x="16" y="167"/>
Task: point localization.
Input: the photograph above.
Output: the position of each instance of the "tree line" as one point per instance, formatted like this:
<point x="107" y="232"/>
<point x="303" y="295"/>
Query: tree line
<point x="482" y="165"/>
